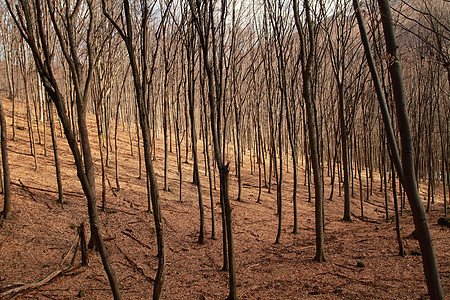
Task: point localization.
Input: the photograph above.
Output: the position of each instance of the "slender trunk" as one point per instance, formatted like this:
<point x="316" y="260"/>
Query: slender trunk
<point x="166" y="140"/>
<point x="178" y="145"/>
<point x="344" y="153"/>
<point x="13" y="99"/>
<point x="37" y="107"/>
<point x="180" y="171"/>
<point x="280" y="175"/>
<point x="401" y="248"/>
<point x="6" y="213"/>
<point x="308" y="95"/>
<point x="130" y="138"/>
<point x="195" y="156"/>
<point x="316" y="171"/>
<point x="361" y="197"/>
<point x="208" y="163"/>
<point x="238" y="148"/>
<point x="306" y="155"/>
<point x="259" y="159"/>
<point x="333" y="173"/>
<point x="29" y="118"/>
<point x="384" y="162"/>
<point x="100" y="133"/>
<point x="55" y="152"/>
<point x="443" y="156"/>
<point x="186" y="117"/>
<point x="138" y="144"/>
<point x="116" y="152"/>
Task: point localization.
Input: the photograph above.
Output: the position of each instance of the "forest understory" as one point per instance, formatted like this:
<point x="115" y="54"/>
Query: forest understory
<point x="362" y="259"/>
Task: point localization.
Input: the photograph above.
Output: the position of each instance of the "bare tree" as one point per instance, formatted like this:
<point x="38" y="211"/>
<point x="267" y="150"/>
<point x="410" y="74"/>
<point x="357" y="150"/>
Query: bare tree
<point x="26" y="16"/>
<point x="406" y="169"/>
<point x="142" y="78"/>
<point x="204" y="20"/>
<point x="307" y="53"/>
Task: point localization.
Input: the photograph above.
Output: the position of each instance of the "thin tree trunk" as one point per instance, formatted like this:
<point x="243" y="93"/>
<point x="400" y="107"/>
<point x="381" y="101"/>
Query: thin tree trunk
<point x="208" y="163"/>
<point x="307" y="61"/>
<point x="384" y="179"/>
<point x="401" y="248"/>
<point x="138" y="143"/>
<point x="116" y="151"/>
<point x="100" y="133"/>
<point x="55" y="152"/>
<point x="191" y="83"/>
<point x="344" y="153"/>
<point x="6" y="213"/>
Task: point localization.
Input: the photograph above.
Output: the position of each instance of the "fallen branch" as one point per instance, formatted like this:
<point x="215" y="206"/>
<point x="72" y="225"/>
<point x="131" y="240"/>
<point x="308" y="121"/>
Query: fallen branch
<point x="112" y="189"/>
<point x="109" y="210"/>
<point x="351" y="279"/>
<point x="168" y="225"/>
<point x="33" y="196"/>
<point x="365" y="219"/>
<point x="32" y="285"/>
<point x="48" y="191"/>
<point x="43" y="281"/>
<point x="12" y="285"/>
<point x="136" y="239"/>
<point x="343" y="266"/>
<point x="377" y="205"/>
<point x="135" y="266"/>
<point x="4" y="240"/>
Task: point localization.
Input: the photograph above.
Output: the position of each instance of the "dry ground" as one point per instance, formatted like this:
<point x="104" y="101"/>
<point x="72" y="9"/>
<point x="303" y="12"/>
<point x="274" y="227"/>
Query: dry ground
<point x="41" y="232"/>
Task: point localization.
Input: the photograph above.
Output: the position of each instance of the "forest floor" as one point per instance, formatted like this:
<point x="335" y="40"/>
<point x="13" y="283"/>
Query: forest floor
<point x="41" y="232"/>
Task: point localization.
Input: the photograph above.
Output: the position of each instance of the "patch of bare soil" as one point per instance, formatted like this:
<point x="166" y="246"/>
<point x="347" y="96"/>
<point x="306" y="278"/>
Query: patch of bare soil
<point x="362" y="260"/>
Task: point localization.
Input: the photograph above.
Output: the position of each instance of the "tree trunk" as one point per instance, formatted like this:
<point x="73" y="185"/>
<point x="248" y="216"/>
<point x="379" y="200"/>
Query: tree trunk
<point x="100" y="132"/>
<point x="307" y="61"/>
<point x="208" y="163"/>
<point x="344" y="153"/>
<point x="116" y="151"/>
<point x="55" y="152"/>
<point x="138" y="143"/>
<point x="194" y="139"/>
<point x="401" y="248"/>
<point x="6" y="213"/>
<point x="419" y="215"/>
